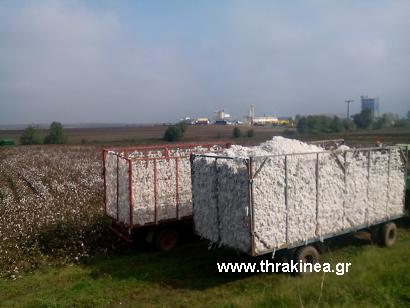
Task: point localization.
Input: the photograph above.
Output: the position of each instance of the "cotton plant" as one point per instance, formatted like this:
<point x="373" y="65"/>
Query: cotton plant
<point x="51" y="204"/>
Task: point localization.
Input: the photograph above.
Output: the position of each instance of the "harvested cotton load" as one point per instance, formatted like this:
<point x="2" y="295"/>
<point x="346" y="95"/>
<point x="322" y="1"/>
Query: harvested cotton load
<point x="153" y="183"/>
<point x="277" y="145"/>
<point x="296" y="192"/>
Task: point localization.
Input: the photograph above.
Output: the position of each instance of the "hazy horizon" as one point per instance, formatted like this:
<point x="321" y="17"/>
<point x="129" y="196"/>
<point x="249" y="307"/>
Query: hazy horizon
<point x="158" y="61"/>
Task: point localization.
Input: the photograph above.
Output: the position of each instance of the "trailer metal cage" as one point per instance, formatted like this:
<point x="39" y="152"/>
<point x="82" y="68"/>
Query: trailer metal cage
<point x="123" y="186"/>
<point x="254" y="165"/>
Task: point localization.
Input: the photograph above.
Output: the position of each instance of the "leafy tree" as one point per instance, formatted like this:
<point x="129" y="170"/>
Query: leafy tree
<point x="289" y="132"/>
<point x="349" y="125"/>
<point x="323" y="124"/>
<point x="173" y="133"/>
<point x="56" y="134"/>
<point x="364" y="119"/>
<point x="301" y="125"/>
<point x="182" y="126"/>
<point x="297" y="118"/>
<point x="337" y="125"/>
<point x="30" y="136"/>
<point x="315" y="125"/>
<point x="236" y="132"/>
<point x="387" y="120"/>
<point x="320" y="124"/>
<point x="402" y="123"/>
<point x="250" y="133"/>
<point x="408" y="115"/>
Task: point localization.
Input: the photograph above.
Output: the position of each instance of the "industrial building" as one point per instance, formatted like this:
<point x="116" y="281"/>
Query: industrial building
<point x="260" y="121"/>
<point x="371" y="103"/>
<point x="221" y="115"/>
<point x="265" y="120"/>
<point x="222" y="118"/>
<point x="202" y="121"/>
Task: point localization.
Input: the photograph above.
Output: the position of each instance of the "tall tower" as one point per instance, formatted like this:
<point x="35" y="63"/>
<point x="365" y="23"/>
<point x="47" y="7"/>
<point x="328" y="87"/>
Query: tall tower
<point x="251" y="114"/>
<point x="371" y="103"/>
<point x="348" y="101"/>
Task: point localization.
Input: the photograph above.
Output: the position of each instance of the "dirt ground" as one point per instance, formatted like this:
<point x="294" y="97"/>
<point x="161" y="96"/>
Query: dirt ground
<point x="129" y="135"/>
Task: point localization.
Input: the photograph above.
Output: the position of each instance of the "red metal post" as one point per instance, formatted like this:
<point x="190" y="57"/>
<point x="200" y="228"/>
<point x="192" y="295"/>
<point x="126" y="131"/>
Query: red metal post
<point x="121" y="234"/>
<point x="118" y="186"/>
<point x="180" y="145"/>
<point x="177" y="185"/>
<point x="105" y="182"/>
<point x="166" y="153"/>
<point x="130" y="179"/>
<point x="155" y="191"/>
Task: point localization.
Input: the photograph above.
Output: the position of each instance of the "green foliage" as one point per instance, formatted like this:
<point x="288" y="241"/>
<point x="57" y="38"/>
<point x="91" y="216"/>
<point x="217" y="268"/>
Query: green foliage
<point x="7" y="142"/>
<point x="387" y="120"/>
<point x="349" y="125"/>
<point x="250" y="133"/>
<point x="364" y="119"/>
<point x="402" y="123"/>
<point x="236" y="132"/>
<point x="289" y="132"/>
<point x="175" y="132"/>
<point x="319" y="124"/>
<point x="56" y="134"/>
<point x="337" y="125"/>
<point x="30" y="136"/>
<point x="133" y="279"/>
<point x="301" y="125"/>
<point x="313" y="125"/>
<point x="182" y="126"/>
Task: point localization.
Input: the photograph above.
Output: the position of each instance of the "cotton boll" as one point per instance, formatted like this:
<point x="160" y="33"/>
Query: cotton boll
<point x="47" y="189"/>
<point x="343" y="147"/>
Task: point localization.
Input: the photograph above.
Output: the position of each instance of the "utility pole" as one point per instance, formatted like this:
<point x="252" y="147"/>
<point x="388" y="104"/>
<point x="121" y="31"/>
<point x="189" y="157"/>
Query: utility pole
<point x="348" y="101"/>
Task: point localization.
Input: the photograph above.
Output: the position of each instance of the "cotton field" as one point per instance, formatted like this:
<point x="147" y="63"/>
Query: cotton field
<point x="51" y="205"/>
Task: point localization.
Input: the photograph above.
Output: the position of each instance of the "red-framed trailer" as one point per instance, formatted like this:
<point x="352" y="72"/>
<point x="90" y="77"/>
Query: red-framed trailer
<point x="134" y="193"/>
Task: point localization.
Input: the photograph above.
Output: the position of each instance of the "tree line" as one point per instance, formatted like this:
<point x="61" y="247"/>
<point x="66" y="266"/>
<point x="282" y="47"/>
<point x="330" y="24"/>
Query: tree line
<point x="55" y="135"/>
<point x="315" y="124"/>
<point x="176" y="132"/>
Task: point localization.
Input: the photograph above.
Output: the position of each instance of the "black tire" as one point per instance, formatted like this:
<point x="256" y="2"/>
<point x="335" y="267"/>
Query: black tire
<point x="166" y="239"/>
<point x="388" y="234"/>
<point x="306" y="254"/>
<point x="375" y="234"/>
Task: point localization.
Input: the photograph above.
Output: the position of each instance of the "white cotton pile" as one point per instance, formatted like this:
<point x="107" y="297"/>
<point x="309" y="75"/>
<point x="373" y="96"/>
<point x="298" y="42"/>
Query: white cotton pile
<point x="167" y="197"/>
<point x="166" y="190"/>
<point x="277" y="145"/>
<point x="348" y="192"/>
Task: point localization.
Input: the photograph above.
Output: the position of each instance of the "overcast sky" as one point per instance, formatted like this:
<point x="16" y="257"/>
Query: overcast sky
<point x="155" y="61"/>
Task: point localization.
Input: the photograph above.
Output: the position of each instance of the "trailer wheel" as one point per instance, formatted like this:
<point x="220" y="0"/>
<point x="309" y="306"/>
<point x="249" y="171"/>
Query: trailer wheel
<point x="388" y="234"/>
<point x="306" y="254"/>
<point x="375" y="234"/>
<point x="167" y="239"/>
